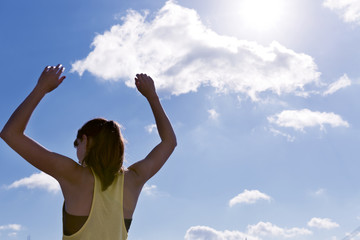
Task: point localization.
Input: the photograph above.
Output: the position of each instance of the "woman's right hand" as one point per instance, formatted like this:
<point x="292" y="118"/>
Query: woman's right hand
<point x="51" y="78"/>
<point x="145" y="85"/>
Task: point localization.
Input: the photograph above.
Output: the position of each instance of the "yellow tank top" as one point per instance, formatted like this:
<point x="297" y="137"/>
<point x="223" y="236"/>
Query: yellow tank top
<point x="106" y="218"/>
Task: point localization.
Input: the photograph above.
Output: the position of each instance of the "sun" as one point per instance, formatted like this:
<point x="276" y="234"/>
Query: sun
<point x="262" y="15"/>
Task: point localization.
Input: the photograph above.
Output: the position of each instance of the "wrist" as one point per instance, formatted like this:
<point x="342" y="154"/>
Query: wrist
<point x="40" y="90"/>
<point x="152" y="97"/>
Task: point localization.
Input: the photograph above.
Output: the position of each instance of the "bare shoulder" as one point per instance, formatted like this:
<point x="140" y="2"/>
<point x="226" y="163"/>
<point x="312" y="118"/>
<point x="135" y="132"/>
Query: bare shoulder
<point x="67" y="169"/>
<point x="79" y="178"/>
<point x="82" y="181"/>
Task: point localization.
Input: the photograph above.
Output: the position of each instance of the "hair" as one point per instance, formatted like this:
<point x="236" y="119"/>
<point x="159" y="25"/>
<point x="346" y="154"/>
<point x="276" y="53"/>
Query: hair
<point x="104" y="150"/>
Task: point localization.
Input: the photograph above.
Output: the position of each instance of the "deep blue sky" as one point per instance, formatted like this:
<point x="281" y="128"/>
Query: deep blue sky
<point x="264" y="106"/>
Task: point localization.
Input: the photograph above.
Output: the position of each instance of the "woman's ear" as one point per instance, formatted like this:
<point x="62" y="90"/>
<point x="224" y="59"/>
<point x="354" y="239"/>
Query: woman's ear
<point x="84" y="140"/>
<point x="87" y="141"/>
<point x="83" y="137"/>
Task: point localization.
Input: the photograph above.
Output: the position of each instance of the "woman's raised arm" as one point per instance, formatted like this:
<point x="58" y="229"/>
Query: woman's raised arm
<point x="13" y="134"/>
<point x="152" y="163"/>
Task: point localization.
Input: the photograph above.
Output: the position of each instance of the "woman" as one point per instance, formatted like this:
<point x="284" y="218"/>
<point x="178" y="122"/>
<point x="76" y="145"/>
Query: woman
<point x="100" y="195"/>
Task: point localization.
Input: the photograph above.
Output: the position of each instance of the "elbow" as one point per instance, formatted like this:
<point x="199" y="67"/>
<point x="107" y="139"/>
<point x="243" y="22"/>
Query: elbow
<point x="174" y="142"/>
<point x="171" y="143"/>
<point x="4" y="135"/>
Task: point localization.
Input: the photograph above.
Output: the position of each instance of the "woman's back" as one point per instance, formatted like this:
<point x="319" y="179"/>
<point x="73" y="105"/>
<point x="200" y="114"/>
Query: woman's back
<point x="79" y="199"/>
<point x="105" y="219"/>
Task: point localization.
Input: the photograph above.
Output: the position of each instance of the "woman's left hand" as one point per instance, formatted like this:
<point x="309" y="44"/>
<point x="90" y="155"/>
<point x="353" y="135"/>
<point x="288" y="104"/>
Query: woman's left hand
<point x="51" y="78"/>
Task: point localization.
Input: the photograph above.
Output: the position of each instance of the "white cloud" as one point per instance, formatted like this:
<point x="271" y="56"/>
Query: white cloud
<point x="279" y="133"/>
<point x="213" y="114"/>
<point x="299" y="119"/>
<point x="13" y="227"/>
<point x="249" y="197"/>
<point x="38" y="180"/>
<point x="12" y="234"/>
<point x="182" y="54"/>
<point x="254" y="232"/>
<point x="149" y="190"/>
<point x="150" y="128"/>
<point x="269" y="229"/>
<point x="208" y="233"/>
<point x="354" y="236"/>
<point x="325" y="223"/>
<point x="320" y="192"/>
<point x="343" y="82"/>
<point x="349" y="10"/>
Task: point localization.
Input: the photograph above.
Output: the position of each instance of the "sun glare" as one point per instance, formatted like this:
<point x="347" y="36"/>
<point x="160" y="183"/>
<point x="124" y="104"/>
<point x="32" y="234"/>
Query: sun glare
<point x="262" y="14"/>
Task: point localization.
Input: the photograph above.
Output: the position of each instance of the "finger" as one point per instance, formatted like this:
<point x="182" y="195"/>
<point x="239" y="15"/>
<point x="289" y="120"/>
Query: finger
<point x="137" y="82"/>
<point x="62" y="79"/>
<point x="60" y="71"/>
<point x="59" y="66"/>
<point x="47" y="68"/>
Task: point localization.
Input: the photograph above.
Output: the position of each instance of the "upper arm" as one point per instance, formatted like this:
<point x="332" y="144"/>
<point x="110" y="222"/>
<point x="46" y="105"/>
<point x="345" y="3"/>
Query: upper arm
<point x="58" y="166"/>
<point x="152" y="163"/>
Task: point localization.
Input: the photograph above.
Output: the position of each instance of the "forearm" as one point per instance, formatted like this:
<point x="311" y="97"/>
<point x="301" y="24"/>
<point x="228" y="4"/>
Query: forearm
<point x="19" y="119"/>
<point x="163" y="124"/>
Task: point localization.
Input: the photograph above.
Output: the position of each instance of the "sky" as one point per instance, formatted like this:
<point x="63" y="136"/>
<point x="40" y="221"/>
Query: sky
<point x="262" y="95"/>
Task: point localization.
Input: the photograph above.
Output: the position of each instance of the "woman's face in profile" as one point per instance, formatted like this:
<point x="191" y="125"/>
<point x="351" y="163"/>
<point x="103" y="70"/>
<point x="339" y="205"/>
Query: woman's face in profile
<point x="80" y="145"/>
